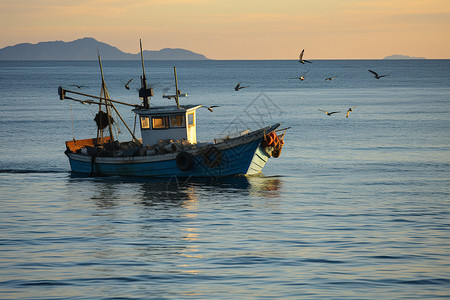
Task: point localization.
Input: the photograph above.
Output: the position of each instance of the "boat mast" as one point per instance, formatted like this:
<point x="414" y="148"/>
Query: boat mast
<point x="144" y="92"/>
<point x="105" y="95"/>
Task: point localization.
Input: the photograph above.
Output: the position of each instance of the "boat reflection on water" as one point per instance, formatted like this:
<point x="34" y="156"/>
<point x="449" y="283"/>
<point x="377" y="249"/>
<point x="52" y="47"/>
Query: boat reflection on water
<point x="109" y="191"/>
<point x="178" y="191"/>
<point x="168" y="227"/>
<point x="268" y="187"/>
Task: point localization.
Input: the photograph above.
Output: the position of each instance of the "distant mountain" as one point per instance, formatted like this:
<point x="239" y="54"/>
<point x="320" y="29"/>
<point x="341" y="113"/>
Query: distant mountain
<point x="398" y="56"/>
<point x="86" y="49"/>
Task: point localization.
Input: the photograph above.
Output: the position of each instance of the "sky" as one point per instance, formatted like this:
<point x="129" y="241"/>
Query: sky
<point x="239" y="29"/>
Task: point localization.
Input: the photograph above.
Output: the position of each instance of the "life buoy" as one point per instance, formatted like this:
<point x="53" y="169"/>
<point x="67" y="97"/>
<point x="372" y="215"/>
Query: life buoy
<point x="272" y="136"/>
<point x="276" y="142"/>
<point x="277" y="151"/>
<point x="271" y="140"/>
<point x="212" y="157"/>
<point x="268" y="139"/>
<point x="185" y="161"/>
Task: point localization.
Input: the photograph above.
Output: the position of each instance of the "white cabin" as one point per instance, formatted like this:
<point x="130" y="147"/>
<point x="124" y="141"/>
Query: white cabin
<point x="168" y="122"/>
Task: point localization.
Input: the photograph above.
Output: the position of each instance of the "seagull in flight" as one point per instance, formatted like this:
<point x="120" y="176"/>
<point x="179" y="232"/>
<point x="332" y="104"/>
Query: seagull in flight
<point x="330" y="78"/>
<point x="127" y="84"/>
<point x="300" y="58"/>
<point x="78" y="86"/>
<point x="302" y="77"/>
<point x="210" y="108"/>
<point x="375" y="74"/>
<point x="349" y="110"/>
<point x="238" y="87"/>
<point x="329" y="113"/>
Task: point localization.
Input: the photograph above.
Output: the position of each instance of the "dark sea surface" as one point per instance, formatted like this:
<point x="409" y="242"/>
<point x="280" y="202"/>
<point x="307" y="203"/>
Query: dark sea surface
<point x="354" y="208"/>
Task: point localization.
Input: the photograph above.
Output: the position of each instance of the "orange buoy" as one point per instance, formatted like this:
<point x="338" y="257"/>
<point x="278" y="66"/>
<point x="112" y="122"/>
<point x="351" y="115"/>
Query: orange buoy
<point x="276" y="142"/>
<point x="277" y="151"/>
<point x="268" y="140"/>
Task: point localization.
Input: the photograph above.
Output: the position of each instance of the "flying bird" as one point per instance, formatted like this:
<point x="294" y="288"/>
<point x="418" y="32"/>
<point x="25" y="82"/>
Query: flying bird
<point x="302" y="77"/>
<point x="329" y="113"/>
<point x="211" y="107"/>
<point x="349" y="110"/>
<point x="127" y="84"/>
<point x="375" y="74"/>
<point x="78" y="86"/>
<point x="300" y="58"/>
<point x="238" y="87"/>
<point x="330" y="78"/>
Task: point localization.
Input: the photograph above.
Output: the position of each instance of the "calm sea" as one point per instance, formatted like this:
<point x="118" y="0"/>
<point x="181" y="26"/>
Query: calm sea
<point x="354" y="208"/>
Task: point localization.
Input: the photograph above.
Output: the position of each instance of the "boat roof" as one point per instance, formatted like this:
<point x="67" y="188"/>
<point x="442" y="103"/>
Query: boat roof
<point x="154" y="110"/>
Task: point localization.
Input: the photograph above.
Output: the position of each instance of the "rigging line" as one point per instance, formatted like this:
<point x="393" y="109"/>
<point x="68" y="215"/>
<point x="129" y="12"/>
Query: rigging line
<point x="124" y="123"/>
<point x="116" y="125"/>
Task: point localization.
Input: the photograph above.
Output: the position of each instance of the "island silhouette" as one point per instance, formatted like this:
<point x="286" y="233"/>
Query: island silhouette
<point x="399" y="56"/>
<point x="86" y="49"/>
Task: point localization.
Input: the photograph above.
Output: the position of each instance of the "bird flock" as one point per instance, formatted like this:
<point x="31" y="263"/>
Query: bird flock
<point x="239" y="87"/>
<point x="302" y="78"/>
<point x="330" y="113"/>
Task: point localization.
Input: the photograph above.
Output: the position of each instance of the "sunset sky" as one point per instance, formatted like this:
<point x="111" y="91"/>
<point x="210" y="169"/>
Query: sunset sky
<point x="246" y="29"/>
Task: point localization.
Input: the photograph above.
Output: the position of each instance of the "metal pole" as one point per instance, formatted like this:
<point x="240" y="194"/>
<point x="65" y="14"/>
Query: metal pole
<point x="176" y="87"/>
<point x="63" y="91"/>
<point x="105" y="93"/>
<point x="144" y="80"/>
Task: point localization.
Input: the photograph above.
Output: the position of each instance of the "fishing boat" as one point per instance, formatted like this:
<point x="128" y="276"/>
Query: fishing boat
<point x="168" y="146"/>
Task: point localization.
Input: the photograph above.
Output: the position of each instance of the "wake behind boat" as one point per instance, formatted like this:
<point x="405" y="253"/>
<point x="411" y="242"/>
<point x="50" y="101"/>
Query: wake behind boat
<point x="168" y="145"/>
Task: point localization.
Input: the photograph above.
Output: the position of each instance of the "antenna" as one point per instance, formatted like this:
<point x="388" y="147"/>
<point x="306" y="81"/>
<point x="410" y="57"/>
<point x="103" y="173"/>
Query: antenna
<point x="144" y="92"/>
<point x="142" y="60"/>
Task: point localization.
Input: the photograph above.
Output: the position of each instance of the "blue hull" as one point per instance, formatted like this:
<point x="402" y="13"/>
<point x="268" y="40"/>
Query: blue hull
<point x="243" y="155"/>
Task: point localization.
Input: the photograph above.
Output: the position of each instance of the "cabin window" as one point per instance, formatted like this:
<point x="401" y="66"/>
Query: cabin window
<point x="160" y="122"/>
<point x="191" y="119"/>
<point x="145" y="122"/>
<point x="177" y="121"/>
